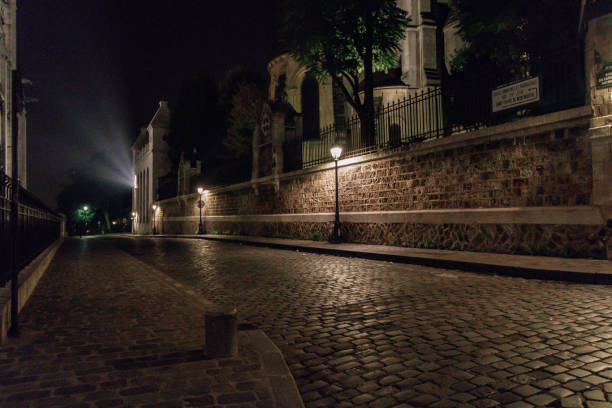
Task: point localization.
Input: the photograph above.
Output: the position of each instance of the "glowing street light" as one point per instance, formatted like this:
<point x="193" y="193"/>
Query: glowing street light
<point x="336" y="151"/>
<point x="154" y="211"/>
<point x="201" y="205"/>
<point x="85" y="219"/>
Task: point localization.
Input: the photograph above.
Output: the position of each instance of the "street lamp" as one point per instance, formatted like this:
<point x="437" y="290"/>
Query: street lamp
<point x="201" y="205"/>
<point x="85" y="209"/>
<point x="336" y="151"/>
<point x="154" y="211"/>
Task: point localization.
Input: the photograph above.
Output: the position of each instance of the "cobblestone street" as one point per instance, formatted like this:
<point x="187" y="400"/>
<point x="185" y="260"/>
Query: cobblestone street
<point x="368" y="333"/>
<point x="102" y="330"/>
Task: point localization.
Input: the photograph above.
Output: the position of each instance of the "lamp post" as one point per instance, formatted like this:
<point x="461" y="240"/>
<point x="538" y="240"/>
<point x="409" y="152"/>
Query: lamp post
<point x="85" y="209"/>
<point x="154" y="211"/>
<point x="336" y="151"/>
<point x="201" y="205"/>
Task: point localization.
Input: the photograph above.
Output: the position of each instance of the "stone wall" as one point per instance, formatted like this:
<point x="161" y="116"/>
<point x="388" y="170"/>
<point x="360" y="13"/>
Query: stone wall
<point x="540" y="162"/>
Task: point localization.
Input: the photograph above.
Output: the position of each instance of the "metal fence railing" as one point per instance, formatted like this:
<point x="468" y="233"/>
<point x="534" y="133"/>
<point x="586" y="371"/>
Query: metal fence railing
<point x="37" y="227"/>
<point x="437" y="112"/>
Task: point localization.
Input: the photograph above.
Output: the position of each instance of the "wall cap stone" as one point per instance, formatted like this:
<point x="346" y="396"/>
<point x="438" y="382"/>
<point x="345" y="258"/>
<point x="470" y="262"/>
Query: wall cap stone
<point x="578" y="215"/>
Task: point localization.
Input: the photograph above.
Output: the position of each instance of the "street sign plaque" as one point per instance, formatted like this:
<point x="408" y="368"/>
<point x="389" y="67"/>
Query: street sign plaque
<point x="516" y="94"/>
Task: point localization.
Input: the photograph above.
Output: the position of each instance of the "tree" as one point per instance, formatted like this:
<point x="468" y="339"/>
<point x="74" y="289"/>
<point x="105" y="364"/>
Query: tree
<point x="343" y="39"/>
<point x="246" y="107"/>
<point x="234" y="79"/>
<point x="506" y="38"/>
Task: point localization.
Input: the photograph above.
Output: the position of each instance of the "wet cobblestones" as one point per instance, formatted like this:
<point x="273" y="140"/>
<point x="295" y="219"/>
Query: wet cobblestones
<point x="376" y="334"/>
<point x="103" y="331"/>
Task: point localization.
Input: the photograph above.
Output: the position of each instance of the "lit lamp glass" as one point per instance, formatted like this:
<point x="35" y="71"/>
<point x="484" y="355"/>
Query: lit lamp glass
<point x="85" y="208"/>
<point x="336" y="151"/>
<point x="200" y="190"/>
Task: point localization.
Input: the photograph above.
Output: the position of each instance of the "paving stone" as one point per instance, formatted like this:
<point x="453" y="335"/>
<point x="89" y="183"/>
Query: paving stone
<point x="572" y="402"/>
<point x="577" y="385"/>
<point x="520" y="404"/>
<point x="598" y="404"/>
<point x="594" y="395"/>
<point x="585" y="350"/>
<point x="525" y="390"/>
<point x="384" y="402"/>
<point x="363" y="399"/>
<point x="560" y="392"/>
<point x="594" y="379"/>
<point x="597" y="366"/>
<point x="541" y="399"/>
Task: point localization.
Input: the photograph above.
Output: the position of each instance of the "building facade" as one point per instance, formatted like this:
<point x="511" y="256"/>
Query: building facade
<point x="8" y="63"/>
<point x="300" y="106"/>
<point x="151" y="162"/>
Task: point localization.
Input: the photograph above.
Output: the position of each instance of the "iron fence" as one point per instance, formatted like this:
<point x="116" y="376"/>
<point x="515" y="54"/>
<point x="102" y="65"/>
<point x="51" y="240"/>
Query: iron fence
<point x="459" y="106"/>
<point x="37" y="227"/>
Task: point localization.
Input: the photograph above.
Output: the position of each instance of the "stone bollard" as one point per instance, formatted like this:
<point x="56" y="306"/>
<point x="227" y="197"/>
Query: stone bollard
<point x="221" y="331"/>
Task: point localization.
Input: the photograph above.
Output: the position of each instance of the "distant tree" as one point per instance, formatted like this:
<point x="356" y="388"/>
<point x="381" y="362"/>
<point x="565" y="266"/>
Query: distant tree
<point x="342" y="39"/>
<point x="504" y="37"/>
<point x="247" y="102"/>
<point x="85" y="213"/>
<point x="234" y="79"/>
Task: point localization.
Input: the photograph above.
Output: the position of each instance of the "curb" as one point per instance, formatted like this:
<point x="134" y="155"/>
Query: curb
<point x="286" y="394"/>
<point x="468" y="266"/>
<point x="28" y="279"/>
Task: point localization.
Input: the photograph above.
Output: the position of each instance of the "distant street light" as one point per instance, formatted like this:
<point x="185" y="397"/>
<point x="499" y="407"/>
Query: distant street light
<point x="201" y="205"/>
<point x="336" y="151"/>
<point x="85" y="219"/>
<point x="154" y="212"/>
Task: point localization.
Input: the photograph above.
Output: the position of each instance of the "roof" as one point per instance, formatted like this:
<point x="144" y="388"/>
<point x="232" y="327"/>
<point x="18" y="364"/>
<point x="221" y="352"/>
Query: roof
<point x="162" y="116"/>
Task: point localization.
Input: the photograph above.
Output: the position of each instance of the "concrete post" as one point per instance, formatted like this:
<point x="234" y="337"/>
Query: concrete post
<point x="221" y="325"/>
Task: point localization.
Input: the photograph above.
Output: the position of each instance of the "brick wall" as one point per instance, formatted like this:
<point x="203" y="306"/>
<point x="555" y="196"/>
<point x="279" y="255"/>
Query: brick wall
<point x="522" y="169"/>
<point x="538" y="170"/>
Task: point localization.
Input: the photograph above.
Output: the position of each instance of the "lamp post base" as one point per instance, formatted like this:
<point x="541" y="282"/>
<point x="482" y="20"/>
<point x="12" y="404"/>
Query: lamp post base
<point x="201" y="229"/>
<point x="335" y="236"/>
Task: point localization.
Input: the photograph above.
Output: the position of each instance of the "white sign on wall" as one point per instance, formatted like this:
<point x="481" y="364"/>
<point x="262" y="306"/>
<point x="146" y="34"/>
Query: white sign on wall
<point x="515" y="94"/>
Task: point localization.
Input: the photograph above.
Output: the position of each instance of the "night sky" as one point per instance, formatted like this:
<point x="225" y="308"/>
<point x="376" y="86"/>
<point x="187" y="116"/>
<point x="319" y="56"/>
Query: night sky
<point x="99" y="69"/>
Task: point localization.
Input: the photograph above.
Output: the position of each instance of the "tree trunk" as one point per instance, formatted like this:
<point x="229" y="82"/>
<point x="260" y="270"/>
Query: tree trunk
<point x="367" y="119"/>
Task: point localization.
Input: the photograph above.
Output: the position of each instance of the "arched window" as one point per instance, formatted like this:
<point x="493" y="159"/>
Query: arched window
<point x="310" y="107"/>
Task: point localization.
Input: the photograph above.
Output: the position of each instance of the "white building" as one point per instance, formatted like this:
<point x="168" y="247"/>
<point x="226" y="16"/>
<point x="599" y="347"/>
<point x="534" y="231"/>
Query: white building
<point x="8" y="63"/>
<point x="150" y="158"/>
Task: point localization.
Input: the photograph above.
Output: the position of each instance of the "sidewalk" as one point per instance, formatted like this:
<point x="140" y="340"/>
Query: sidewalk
<point x="540" y="267"/>
<point x="103" y="329"/>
